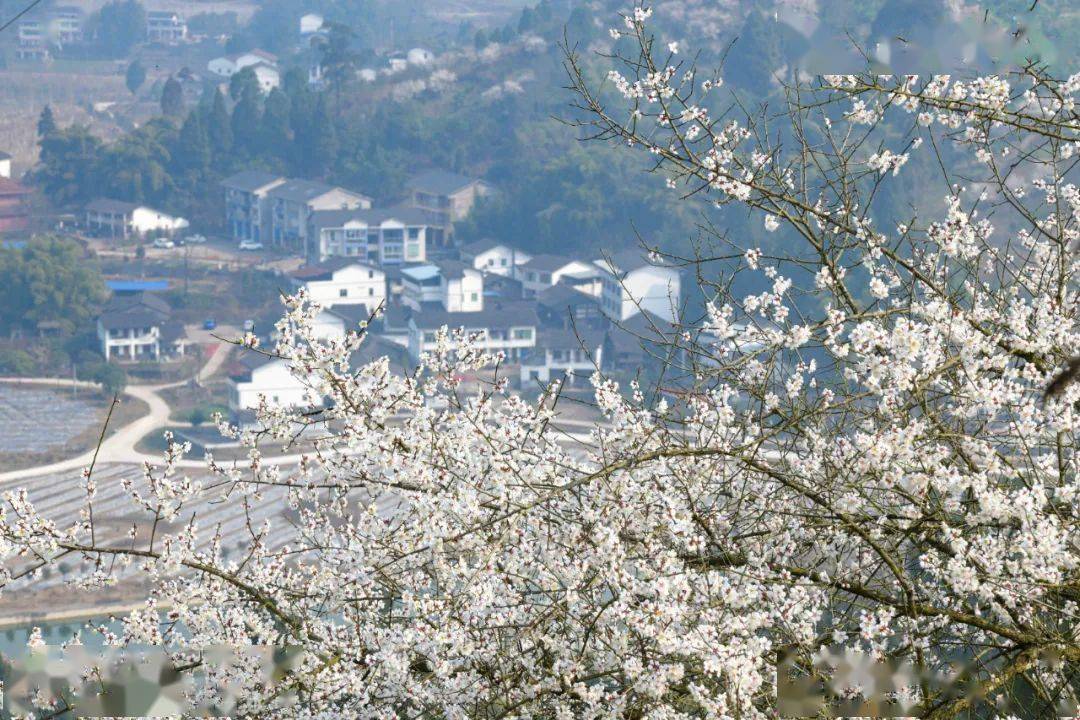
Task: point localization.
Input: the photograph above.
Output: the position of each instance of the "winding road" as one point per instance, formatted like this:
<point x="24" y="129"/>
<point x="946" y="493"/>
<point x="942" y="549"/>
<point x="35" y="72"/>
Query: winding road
<point x="120" y="446"/>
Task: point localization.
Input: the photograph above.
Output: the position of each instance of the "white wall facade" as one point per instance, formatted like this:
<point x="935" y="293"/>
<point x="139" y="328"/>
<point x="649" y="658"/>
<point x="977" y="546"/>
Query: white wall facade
<point x="351" y="285"/>
<point x="145" y="220"/>
<point x="500" y="260"/>
<point x="274" y="381"/>
<point x="465" y="293"/>
<point x="656" y="289"/>
<point x="513" y="342"/>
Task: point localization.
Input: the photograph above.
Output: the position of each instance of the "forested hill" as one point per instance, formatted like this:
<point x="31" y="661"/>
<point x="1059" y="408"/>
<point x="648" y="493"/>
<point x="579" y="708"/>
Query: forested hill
<point x="493" y="105"/>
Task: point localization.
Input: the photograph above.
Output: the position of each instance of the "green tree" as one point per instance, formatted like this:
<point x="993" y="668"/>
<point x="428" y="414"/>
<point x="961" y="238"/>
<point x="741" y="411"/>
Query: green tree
<point x="192" y="152"/>
<point x="275" y="123"/>
<point x="243" y="84"/>
<point x="218" y="128"/>
<point x="46" y="124"/>
<point x="67" y="165"/>
<point x="119" y="26"/>
<point x="135" y="77"/>
<point x="756" y="55"/>
<point x="112" y="378"/>
<point x="321" y="139"/>
<point x="49" y="280"/>
<point x="338" y="58"/>
<point x="16" y="362"/>
<point x="246" y="119"/>
<point x="480" y="40"/>
<point x="172" y="98"/>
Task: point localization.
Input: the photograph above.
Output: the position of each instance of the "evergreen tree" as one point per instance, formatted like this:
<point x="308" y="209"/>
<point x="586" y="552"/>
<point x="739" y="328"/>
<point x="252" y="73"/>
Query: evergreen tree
<point x="218" y="127"/>
<point x="275" y="123"/>
<point x="135" y="77"/>
<point x="480" y="41"/>
<point x="246" y="118"/>
<point x="119" y="25"/>
<point x="172" y="98"/>
<point x="46" y="125"/>
<point x="756" y="55"/>
<point x="244" y="83"/>
<point x="323" y="139"/>
<point x="193" y="146"/>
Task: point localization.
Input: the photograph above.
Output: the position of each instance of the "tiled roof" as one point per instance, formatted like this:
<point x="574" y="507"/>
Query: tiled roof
<point x="495" y="315"/>
<point x="250" y="180"/>
<point x="440" y="182"/>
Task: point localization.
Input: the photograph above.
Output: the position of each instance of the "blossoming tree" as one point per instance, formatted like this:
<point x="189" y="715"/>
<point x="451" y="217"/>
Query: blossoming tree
<point x="868" y="461"/>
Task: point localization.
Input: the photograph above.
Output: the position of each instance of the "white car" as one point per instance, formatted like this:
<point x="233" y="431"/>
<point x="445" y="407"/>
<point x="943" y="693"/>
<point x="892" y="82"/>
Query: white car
<point x="195" y="239"/>
<point x="250" y="245"/>
<point x="163" y="243"/>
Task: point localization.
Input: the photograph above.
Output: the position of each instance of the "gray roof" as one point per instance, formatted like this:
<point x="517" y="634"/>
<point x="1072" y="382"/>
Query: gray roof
<point x="4" y="155"/>
<point x="561" y="339"/>
<point x="326" y="269"/>
<point x="632" y="259"/>
<point x="547" y="263"/>
<point x="134" y="311"/>
<point x="440" y="182"/>
<point x="495" y="315"/>
<point x="480" y="246"/>
<point x="108" y="205"/>
<point x="560" y="297"/>
<point x="452" y="268"/>
<point x="353" y="314"/>
<point x="250" y="180"/>
<point x="300" y="191"/>
<point x="371" y="216"/>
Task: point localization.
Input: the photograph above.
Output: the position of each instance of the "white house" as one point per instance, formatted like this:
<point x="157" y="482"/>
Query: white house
<point x="562" y="353"/>
<point x="507" y="327"/>
<point x="492" y="257"/>
<point x="5" y="165"/>
<point x="386" y="236"/>
<point x="543" y="271"/>
<point x="228" y="65"/>
<point x="139" y="327"/>
<point x="634" y="284"/>
<point x="454" y="286"/>
<point x="310" y="24"/>
<point x="165" y="26"/>
<point x="268" y="76"/>
<point x="420" y="56"/>
<point x="293" y="203"/>
<point x="114" y="218"/>
<point x="257" y="376"/>
<point x="342" y="281"/>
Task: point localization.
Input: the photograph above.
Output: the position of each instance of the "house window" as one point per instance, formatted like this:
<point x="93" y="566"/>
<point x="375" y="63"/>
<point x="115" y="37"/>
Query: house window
<point x="429" y="337"/>
<point x="414" y="233"/>
<point x="370" y="274"/>
<point x="343" y="292"/>
<point x="473" y="297"/>
<point x="503" y="262"/>
<point x="523" y="333"/>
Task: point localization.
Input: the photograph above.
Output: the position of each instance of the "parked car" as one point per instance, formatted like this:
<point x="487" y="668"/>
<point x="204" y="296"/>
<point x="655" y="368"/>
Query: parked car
<point x="250" y="245"/>
<point x="209" y="324"/>
<point x="164" y="243"/>
<point x="195" y="239"/>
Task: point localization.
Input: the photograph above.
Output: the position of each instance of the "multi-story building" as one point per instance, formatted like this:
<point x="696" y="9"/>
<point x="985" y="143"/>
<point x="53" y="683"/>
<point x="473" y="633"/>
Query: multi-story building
<point x="256" y="377"/>
<point x="563" y="354"/>
<point x="506" y="327"/>
<point x="493" y="257"/>
<point x="386" y="236"/>
<point x="66" y="24"/>
<point x="138" y="327"/>
<point x="165" y="26"/>
<point x="454" y="286"/>
<point x="633" y="284"/>
<point x="544" y="271"/>
<point x="446" y="192"/>
<point x="247" y="206"/>
<point x="294" y="202"/>
<point x="33" y="40"/>
<point x="342" y="281"/>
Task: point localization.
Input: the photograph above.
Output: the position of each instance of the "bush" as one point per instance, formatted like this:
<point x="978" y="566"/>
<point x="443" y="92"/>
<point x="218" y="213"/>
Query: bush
<point x="112" y="378"/>
<point x="198" y="416"/>
<point x="16" y="362"/>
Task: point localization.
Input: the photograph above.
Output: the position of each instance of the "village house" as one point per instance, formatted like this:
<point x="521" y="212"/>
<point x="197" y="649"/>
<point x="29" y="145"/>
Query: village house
<point x="33" y="40"/>
<point x="247" y="206"/>
<point x="342" y="281"/>
<point x="493" y="257"/>
<point x="117" y="219"/>
<point x="165" y="26"/>
<point x="446" y="192"/>
<point x="5" y="165"/>
<point x="293" y="203"/>
<point x="255" y="376"/>
<point x="564" y="307"/>
<point x="228" y="65"/>
<point x="506" y="327"/>
<point x="453" y="286"/>
<point x="633" y="284"/>
<point x="563" y="354"/>
<point x="544" y="271"/>
<point x="310" y="24"/>
<point x="139" y="326"/>
<point x="385" y="236"/>
<point x="14" y="207"/>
